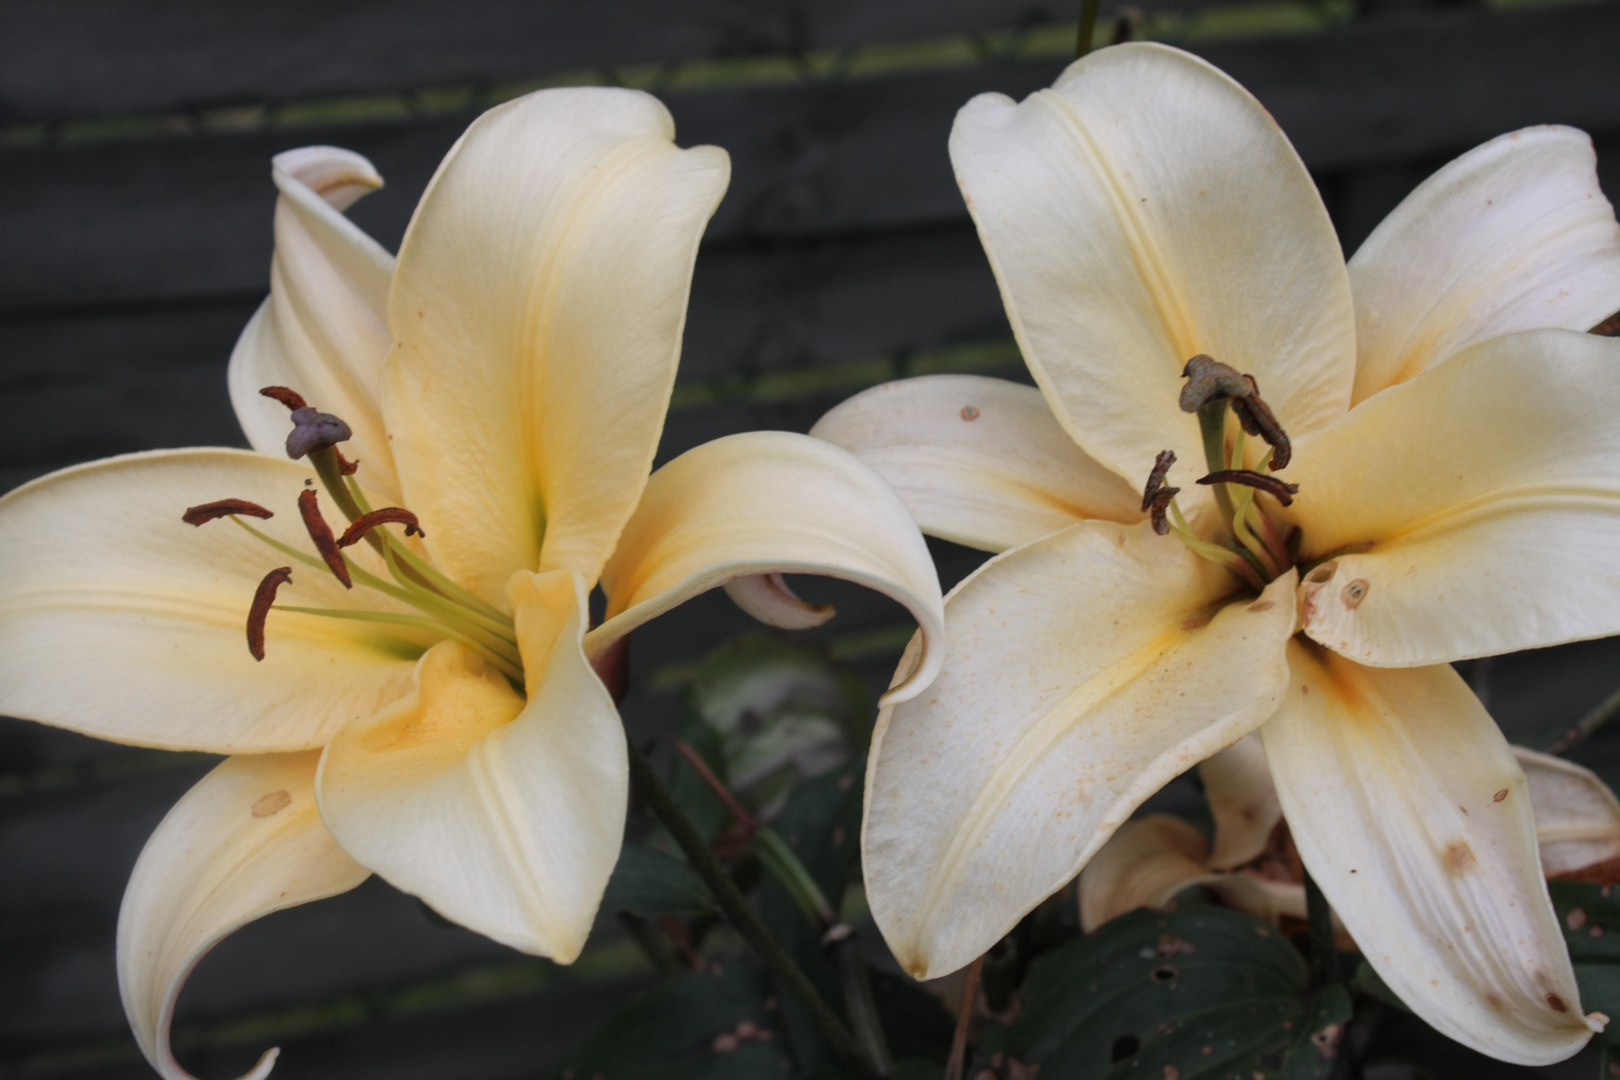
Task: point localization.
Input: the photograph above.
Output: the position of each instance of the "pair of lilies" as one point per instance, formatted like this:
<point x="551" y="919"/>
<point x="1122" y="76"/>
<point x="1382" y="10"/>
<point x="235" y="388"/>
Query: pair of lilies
<point x="1406" y="461"/>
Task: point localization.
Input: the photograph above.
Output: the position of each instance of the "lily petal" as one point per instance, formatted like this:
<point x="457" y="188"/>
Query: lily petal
<point x="1577" y="816"/>
<point x="1143" y="210"/>
<point x="977" y="461"/>
<point x="506" y="816"/>
<point x="537" y="314"/>
<point x="1087" y="669"/>
<point x="1410" y="812"/>
<point x="1237" y="782"/>
<point x="323" y="331"/>
<point x="1148" y="860"/>
<point x="1513" y="235"/>
<point x="766" y="502"/>
<point x="246" y="841"/>
<point x="120" y="621"/>
<point x="1471" y="511"/>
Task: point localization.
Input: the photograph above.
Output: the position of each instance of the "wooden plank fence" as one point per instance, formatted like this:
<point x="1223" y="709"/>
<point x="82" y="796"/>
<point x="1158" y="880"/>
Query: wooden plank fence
<point x="135" y="204"/>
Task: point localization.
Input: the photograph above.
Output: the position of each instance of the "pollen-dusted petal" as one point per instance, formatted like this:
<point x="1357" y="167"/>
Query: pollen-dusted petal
<point x="1146" y="861"/>
<point x="119" y="620"/>
<point x="1142" y="211"/>
<point x="769" y="502"/>
<point x="323" y="332"/>
<point x="1470" y="511"/>
<point x="537" y="316"/>
<point x="1086" y="670"/>
<point x="247" y="840"/>
<point x="1514" y="235"/>
<point x="504" y="815"/>
<point x="1577" y="816"/>
<point x="1237" y="782"/>
<point x="977" y="461"/>
<point x="1390" y="783"/>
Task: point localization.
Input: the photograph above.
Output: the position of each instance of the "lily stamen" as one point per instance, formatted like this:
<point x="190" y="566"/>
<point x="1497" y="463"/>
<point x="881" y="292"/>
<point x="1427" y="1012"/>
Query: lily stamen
<point x="388" y="515"/>
<point x="199" y="515"/>
<point x="1280" y="490"/>
<point x="1155" y="495"/>
<point x="263" y="597"/>
<point x="320" y="533"/>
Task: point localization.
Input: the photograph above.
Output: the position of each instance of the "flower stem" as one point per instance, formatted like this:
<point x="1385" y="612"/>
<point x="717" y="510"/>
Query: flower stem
<point x="1087" y="29"/>
<point x="743" y="918"/>
<point x="1212" y="425"/>
<point x="1588" y="725"/>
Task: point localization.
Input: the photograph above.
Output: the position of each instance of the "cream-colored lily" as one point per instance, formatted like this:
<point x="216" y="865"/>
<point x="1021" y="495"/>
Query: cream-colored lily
<point x="439" y="723"/>
<point x="1154" y="857"/>
<point x="1458" y="495"/>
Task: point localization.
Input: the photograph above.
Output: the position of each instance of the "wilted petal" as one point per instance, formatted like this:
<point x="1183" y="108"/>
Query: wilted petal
<point x="324" y="329"/>
<point x="1237" y="782"/>
<point x="769" y="502"/>
<point x="119" y="620"/>
<point x="506" y="816"/>
<point x="246" y="841"/>
<point x="1577" y="816"/>
<point x="977" y="461"/>
<point x="1143" y="210"/>
<point x="1513" y="235"/>
<point x="1410" y="812"/>
<point x="537" y="314"/>
<point x="1147" y="861"/>
<point x="1473" y="510"/>
<point x="1087" y="669"/>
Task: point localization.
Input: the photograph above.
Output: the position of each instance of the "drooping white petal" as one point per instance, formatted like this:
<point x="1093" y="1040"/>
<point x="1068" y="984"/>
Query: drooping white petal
<point x="537" y="314"/>
<point x="1147" y="860"/>
<point x="1410" y="812"/>
<point x="119" y="620"/>
<point x="1237" y="782"/>
<point x="766" y="502"/>
<point x="771" y="600"/>
<point x="1577" y="816"/>
<point x="1514" y="235"/>
<point x="1143" y="210"/>
<point x="1470" y="511"/>
<point x="1086" y="670"/>
<point x="977" y="461"/>
<point x="246" y="841"/>
<point x="505" y="815"/>
<point x="323" y="331"/>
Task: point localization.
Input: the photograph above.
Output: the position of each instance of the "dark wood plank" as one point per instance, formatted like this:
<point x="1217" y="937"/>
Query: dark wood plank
<point x="91" y="58"/>
<point x="133" y="222"/>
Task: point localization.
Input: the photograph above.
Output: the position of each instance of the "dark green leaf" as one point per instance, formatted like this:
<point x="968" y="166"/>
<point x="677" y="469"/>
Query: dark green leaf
<point x="1401" y="1038"/>
<point x="1590" y="917"/>
<point x="1197" y="992"/>
<point x="1315" y="1056"/>
<point x="703" y="1026"/>
<point x="652" y="884"/>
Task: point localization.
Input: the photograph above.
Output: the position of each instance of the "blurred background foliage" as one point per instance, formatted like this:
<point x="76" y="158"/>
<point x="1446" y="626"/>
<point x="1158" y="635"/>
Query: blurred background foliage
<point x="135" y="204"/>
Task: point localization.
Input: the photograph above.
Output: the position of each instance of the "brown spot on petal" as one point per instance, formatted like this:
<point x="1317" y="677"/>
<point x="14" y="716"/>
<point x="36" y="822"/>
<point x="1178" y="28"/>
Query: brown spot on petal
<point x="1261" y="605"/>
<point x="970" y="412"/>
<point x="1324" y="573"/>
<point x="1556" y="1003"/>
<point x="1459" y="858"/>
<point x="1354" y="593"/>
<point x="272" y="804"/>
<point x="1500" y="795"/>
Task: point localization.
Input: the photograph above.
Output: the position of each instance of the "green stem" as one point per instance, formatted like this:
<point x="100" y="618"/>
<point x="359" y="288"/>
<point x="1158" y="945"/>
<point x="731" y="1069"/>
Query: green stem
<point x="1588" y="725"/>
<point x="780" y="862"/>
<point x="1212" y="425"/>
<point x="1087" y="29"/>
<point x="1324" y="947"/>
<point x="743" y="918"/>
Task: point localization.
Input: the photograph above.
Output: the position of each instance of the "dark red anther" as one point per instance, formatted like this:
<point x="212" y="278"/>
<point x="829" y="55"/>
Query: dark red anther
<point x="1155" y="495"/>
<point x="321" y="533"/>
<point x="262" y="599"/>
<point x="290" y="398"/>
<point x="1279" y="489"/>
<point x="388" y="515"/>
<point x="345" y="466"/>
<point x="198" y="515"/>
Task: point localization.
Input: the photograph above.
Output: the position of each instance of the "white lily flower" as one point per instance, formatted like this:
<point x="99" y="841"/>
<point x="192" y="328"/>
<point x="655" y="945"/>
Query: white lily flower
<point x="1458" y="494"/>
<point x="1152" y="858"/>
<point x="441" y="722"/>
